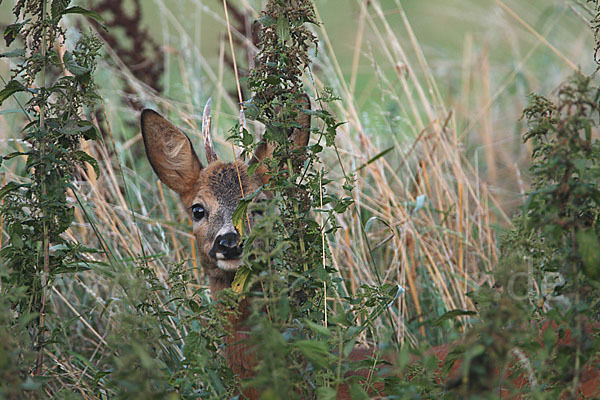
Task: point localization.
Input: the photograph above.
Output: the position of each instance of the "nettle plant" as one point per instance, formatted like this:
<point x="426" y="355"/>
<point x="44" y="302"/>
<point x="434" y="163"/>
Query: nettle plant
<point x="287" y="270"/>
<point x="56" y="90"/>
<point x="543" y="322"/>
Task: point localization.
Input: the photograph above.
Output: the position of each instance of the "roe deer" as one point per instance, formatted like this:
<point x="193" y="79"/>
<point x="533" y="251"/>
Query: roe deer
<point x="210" y="194"/>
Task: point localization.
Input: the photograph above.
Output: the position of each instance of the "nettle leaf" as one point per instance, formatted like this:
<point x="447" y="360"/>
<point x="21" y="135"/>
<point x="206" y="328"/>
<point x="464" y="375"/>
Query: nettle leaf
<point x="88" y="129"/>
<point x="11" y="88"/>
<point x="326" y="393"/>
<point x="8" y="188"/>
<point x="318" y="328"/>
<point x="72" y="66"/>
<point x="314" y="351"/>
<point x="357" y="392"/>
<point x="81" y="155"/>
<point x="12" y="31"/>
<point x="283" y="29"/>
<point x="267" y="20"/>
<point x="239" y="216"/>
<point x="85" y="12"/>
<point x="589" y="249"/>
<point x="239" y="281"/>
<point x="58" y="6"/>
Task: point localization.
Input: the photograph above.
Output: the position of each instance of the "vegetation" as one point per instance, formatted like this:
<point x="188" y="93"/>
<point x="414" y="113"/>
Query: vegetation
<point x="370" y="238"/>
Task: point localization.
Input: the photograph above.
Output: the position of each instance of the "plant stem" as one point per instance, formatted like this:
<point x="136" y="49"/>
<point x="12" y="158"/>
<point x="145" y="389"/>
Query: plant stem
<point x="46" y="239"/>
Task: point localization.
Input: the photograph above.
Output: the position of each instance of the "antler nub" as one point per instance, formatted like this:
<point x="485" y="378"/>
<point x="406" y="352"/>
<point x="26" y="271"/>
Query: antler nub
<point x="208" y="144"/>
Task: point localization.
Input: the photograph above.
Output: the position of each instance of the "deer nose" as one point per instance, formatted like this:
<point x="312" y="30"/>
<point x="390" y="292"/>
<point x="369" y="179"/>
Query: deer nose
<point x="228" y="245"/>
<point x="228" y="240"/>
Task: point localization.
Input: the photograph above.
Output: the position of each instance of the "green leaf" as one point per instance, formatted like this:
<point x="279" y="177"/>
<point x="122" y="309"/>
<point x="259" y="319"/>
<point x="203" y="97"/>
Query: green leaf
<point x="13" y="53"/>
<point x="9" y="187"/>
<point x="452" y="314"/>
<point x="12" y="31"/>
<point x="239" y="281"/>
<point x="17" y="241"/>
<point x="82" y="126"/>
<point x="318" y="328"/>
<point x="375" y="158"/>
<point x="31" y="384"/>
<point x="81" y="155"/>
<point x="11" y="88"/>
<point x="283" y="29"/>
<point x="72" y="66"/>
<point x="195" y="307"/>
<point x="314" y="351"/>
<point x="80" y="10"/>
<point x="326" y="393"/>
<point x="239" y="215"/>
<point x="58" y="6"/>
<point x="588" y="246"/>
<point x="357" y="392"/>
<point x="15" y="154"/>
<point x="267" y="20"/>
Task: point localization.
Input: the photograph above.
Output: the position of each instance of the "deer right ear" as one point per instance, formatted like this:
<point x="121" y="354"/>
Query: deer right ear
<point x="170" y="152"/>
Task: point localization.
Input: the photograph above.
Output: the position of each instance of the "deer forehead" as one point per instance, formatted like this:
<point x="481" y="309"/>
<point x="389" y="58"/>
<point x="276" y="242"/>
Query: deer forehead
<point x="221" y="186"/>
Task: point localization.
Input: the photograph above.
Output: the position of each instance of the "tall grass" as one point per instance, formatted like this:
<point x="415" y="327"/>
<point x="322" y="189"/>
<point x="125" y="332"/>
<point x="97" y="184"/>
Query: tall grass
<point x="431" y="136"/>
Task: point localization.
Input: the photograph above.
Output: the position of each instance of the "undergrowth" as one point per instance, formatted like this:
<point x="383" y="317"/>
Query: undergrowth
<point x="101" y="295"/>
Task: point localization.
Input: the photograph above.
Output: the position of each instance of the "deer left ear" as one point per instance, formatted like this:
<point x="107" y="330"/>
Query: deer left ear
<point x="170" y="152"/>
<point x="299" y="136"/>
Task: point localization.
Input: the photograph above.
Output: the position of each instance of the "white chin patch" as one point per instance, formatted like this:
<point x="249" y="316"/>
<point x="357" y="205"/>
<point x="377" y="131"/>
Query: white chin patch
<point x="229" y="265"/>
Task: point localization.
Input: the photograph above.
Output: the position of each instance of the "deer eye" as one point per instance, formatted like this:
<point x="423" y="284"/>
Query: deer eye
<point x="198" y="212"/>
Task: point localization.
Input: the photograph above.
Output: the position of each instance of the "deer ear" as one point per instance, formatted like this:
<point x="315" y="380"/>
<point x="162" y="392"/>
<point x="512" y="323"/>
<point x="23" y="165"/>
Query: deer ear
<point x="170" y="152"/>
<point x="299" y="136"/>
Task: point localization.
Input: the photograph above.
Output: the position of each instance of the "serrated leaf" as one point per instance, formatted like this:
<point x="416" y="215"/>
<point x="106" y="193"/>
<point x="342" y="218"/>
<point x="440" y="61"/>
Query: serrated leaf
<point x="85" y="12"/>
<point x="318" y="328"/>
<point x="588" y="247"/>
<point x="17" y="241"/>
<point x="357" y="392"/>
<point x="239" y="215"/>
<point x="326" y="393"/>
<point x="283" y="30"/>
<point x="267" y="20"/>
<point x="12" y="31"/>
<point x="9" y="187"/>
<point x="72" y="66"/>
<point x="11" y="88"/>
<point x="58" y="6"/>
<point x="239" y="281"/>
<point x="81" y="155"/>
<point x="195" y="307"/>
<point x="314" y="351"/>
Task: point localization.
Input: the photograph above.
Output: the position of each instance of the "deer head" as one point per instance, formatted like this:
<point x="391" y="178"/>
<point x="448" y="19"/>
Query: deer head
<point x="211" y="193"/>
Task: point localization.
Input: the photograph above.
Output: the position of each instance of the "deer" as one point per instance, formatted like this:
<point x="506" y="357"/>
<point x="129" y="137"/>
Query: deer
<point x="210" y="194"/>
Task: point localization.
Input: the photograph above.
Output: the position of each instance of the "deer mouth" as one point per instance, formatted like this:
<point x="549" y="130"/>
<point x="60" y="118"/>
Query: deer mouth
<point x="229" y="265"/>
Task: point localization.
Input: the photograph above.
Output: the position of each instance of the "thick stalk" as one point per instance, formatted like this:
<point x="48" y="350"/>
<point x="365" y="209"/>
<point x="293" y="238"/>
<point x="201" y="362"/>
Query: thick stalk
<point x="46" y="239"/>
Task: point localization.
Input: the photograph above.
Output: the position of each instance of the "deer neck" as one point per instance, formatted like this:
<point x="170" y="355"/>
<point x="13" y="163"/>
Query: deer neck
<point x="237" y="353"/>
